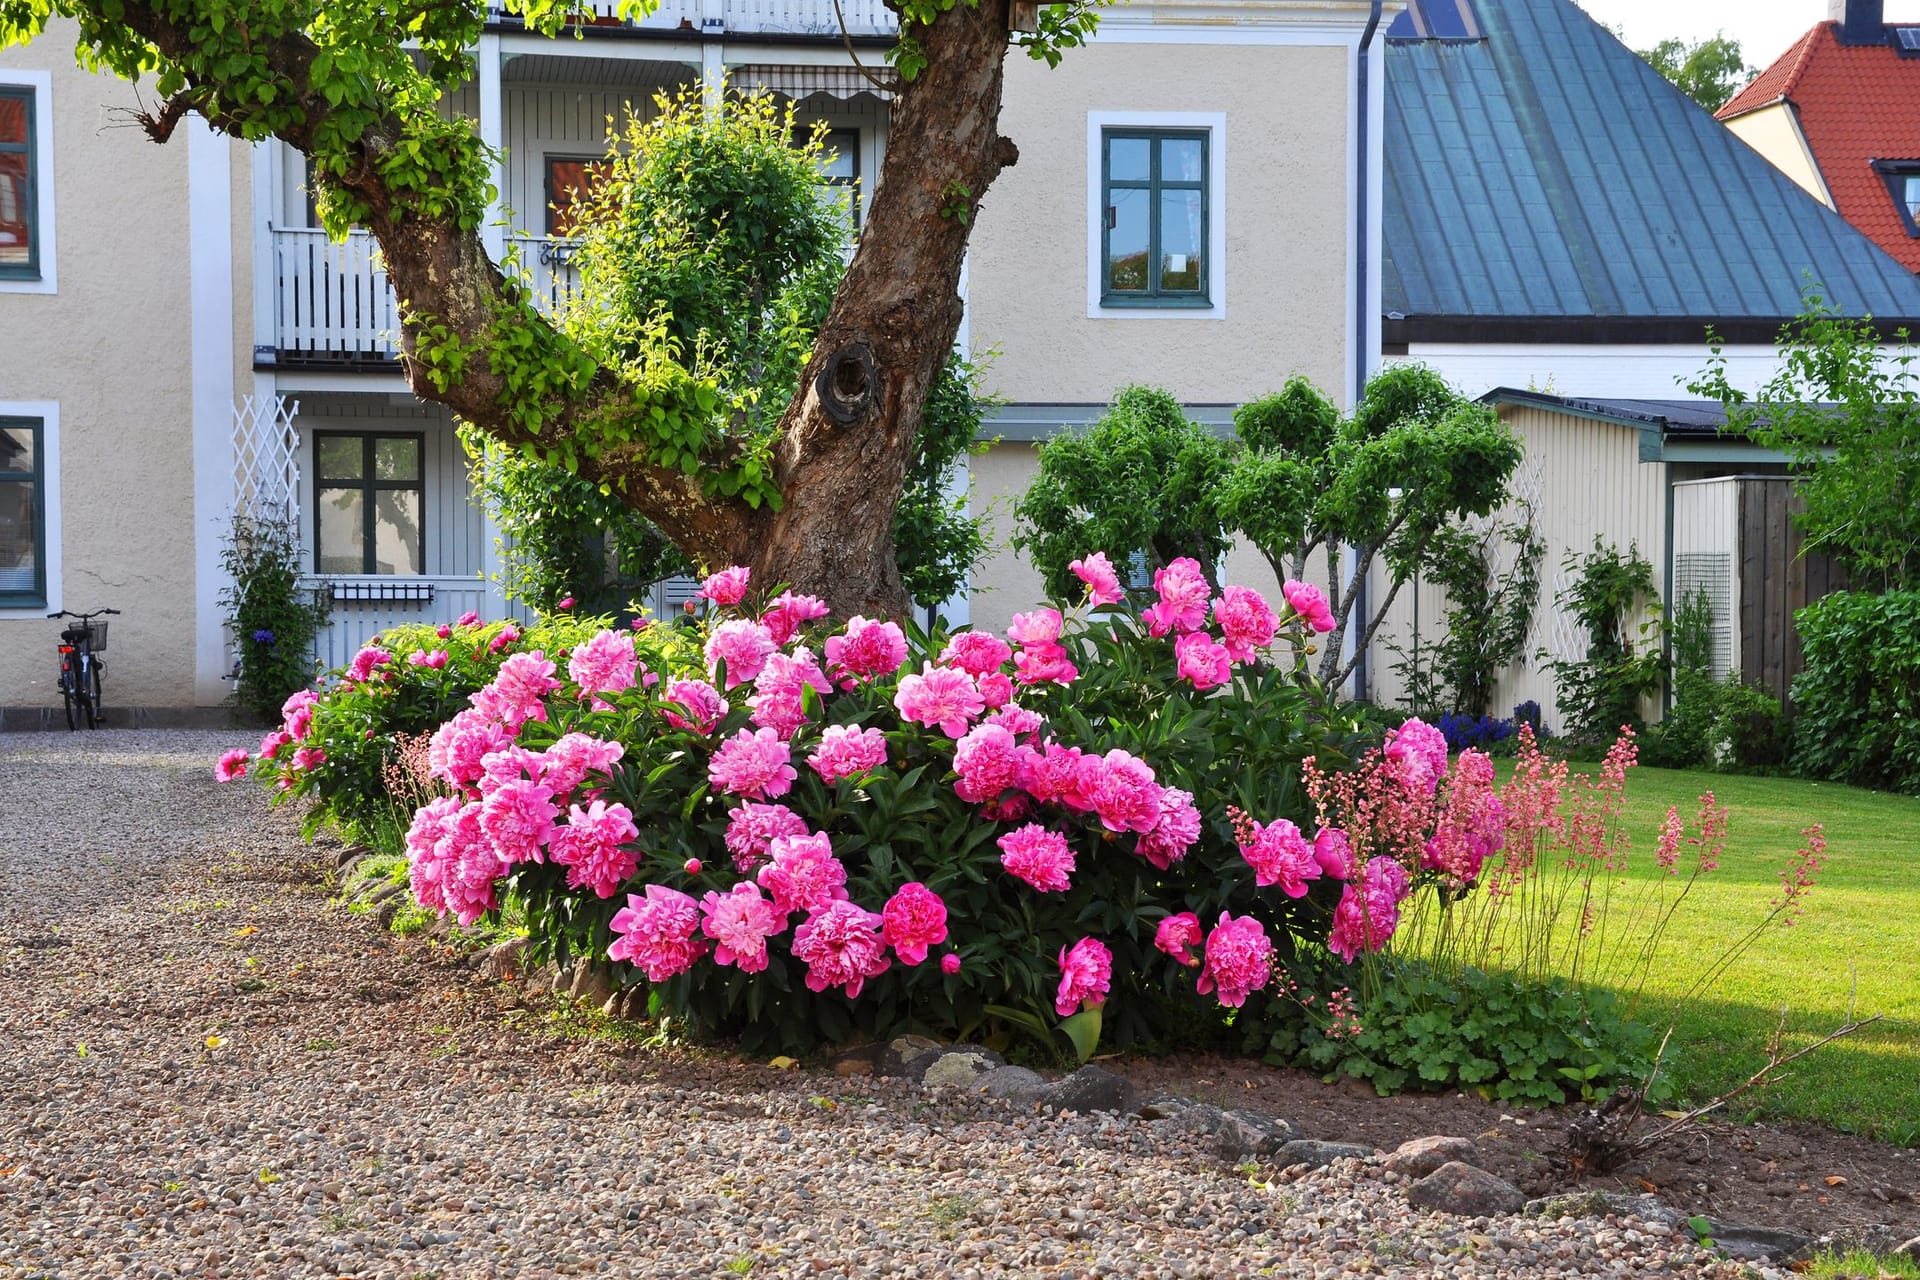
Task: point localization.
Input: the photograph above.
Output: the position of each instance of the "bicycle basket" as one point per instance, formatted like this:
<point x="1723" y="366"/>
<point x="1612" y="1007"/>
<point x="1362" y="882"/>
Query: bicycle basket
<point x="98" y="641"/>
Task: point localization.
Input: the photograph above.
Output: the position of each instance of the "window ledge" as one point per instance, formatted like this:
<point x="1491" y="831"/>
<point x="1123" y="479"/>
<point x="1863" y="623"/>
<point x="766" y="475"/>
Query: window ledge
<point x="1157" y="309"/>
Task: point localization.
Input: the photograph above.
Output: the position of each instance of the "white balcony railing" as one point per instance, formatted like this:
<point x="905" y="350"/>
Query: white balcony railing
<point x="790" y="17"/>
<point x="333" y="299"/>
<point x="353" y="622"/>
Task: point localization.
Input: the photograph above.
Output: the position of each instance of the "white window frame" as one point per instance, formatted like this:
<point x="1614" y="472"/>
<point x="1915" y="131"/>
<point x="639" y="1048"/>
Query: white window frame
<point x="1214" y="124"/>
<point x="41" y="82"/>
<point x="48" y="411"/>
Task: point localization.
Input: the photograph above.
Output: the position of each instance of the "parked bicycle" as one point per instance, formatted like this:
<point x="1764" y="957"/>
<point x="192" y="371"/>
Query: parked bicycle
<point x="80" y="666"/>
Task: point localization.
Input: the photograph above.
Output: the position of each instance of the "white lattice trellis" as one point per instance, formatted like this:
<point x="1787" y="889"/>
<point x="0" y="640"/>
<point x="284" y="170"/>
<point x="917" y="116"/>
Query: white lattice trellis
<point x="266" y="465"/>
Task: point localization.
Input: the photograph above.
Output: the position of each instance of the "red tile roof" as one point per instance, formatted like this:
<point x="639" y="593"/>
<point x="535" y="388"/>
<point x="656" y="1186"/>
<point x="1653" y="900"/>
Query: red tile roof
<point x="1856" y="104"/>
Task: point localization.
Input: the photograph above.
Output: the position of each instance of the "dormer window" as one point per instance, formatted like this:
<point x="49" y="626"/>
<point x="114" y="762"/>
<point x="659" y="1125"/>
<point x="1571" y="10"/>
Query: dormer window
<point x="1903" y="184"/>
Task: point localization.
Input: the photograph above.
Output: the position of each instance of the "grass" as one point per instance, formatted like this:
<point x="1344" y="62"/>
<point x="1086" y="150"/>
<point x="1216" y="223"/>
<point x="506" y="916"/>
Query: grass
<point x="1857" y="942"/>
<point x="1858" y="1264"/>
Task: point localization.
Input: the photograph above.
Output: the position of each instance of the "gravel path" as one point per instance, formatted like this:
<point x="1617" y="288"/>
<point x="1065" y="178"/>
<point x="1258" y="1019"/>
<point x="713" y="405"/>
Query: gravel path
<point x="208" y="1071"/>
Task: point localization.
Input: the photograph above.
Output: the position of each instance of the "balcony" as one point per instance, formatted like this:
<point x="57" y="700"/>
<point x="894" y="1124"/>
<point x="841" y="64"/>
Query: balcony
<point x="713" y="18"/>
<point x="333" y="305"/>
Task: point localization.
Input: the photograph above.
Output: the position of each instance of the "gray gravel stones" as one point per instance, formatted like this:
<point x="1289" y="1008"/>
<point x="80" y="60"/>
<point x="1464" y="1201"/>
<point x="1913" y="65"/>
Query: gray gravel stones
<point x="210" y="1072"/>
<point x="1421" y="1156"/>
<point x="1317" y="1154"/>
<point x="1602" y="1204"/>
<point x="1464" y="1190"/>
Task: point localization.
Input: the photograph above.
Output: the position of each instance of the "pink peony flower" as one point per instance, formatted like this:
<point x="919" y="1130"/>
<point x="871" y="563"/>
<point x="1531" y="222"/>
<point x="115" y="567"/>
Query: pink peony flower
<point x="272" y="742"/>
<point x="996" y="688"/>
<point x="457" y="748"/>
<point x="1175" y="833"/>
<point x="1333" y="852"/>
<point x="1239" y="960"/>
<point x="232" y="764"/>
<point x="1420" y="751"/>
<point x="1309" y="604"/>
<point x="307" y="758"/>
<point x="566" y="602"/>
<point x="361" y="668"/>
<point x="1278" y="854"/>
<point x="511" y="763"/>
<point x="727" y="587"/>
<point x="842" y="946"/>
<point x="426" y="868"/>
<point x="1040" y="857"/>
<point x="1370" y="911"/>
<point x="753" y="828"/>
<point x="779" y="699"/>
<point x="789" y="612"/>
<point x="1062" y="776"/>
<point x="1182" y="606"/>
<point x="950" y="963"/>
<point x="518" y="689"/>
<point x="1016" y="720"/>
<point x="1178" y="935"/>
<point x="435" y="659"/>
<point x="743" y="646"/>
<point x="569" y="762"/>
<point x="1044" y="664"/>
<point x="467" y="619"/>
<point x="657" y="933"/>
<point x="939" y="696"/>
<point x="1086" y="971"/>
<point x="705" y="706"/>
<point x="592" y="847"/>
<point x="604" y="664"/>
<point x="846" y="750"/>
<point x="1247" y="622"/>
<point x="914" y="919"/>
<point x="1124" y="793"/>
<point x="753" y="763"/>
<point x="296" y="713"/>
<point x="988" y="761"/>
<point x="1041" y="627"/>
<point x="868" y="648"/>
<point x="444" y="631"/>
<point x="804" y="875"/>
<point x="1201" y="662"/>
<point x="975" y="652"/>
<point x="1103" y="584"/>
<point x="470" y="867"/>
<point x="740" y="922"/>
<point x="508" y="635"/>
<point x="517" y="818"/>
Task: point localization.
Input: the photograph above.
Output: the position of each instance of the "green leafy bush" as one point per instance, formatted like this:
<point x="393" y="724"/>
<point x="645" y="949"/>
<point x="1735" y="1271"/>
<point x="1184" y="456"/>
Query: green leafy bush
<point x="1614" y="599"/>
<point x="1753" y="732"/>
<point x="1857" y="703"/>
<point x="273" y="618"/>
<point x="1685" y="738"/>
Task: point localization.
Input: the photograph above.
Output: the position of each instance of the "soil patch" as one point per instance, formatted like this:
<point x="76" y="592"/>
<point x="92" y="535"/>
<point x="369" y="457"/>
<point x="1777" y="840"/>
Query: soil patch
<point x="1760" y="1174"/>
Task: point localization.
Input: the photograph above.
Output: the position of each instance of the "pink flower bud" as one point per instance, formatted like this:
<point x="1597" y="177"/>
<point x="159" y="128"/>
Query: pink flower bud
<point x="693" y="866"/>
<point x="950" y="962"/>
<point x="565" y="603"/>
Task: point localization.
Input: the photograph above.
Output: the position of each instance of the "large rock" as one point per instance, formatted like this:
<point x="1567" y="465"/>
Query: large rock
<point x="1089" y="1089"/>
<point x="956" y="1068"/>
<point x="1317" y="1154"/>
<point x="1911" y="1249"/>
<point x="1462" y="1189"/>
<point x="1756" y="1244"/>
<point x="1602" y="1204"/>
<point x="1014" y="1084"/>
<point x="1248" y="1135"/>
<point x="901" y="1052"/>
<point x="1421" y="1156"/>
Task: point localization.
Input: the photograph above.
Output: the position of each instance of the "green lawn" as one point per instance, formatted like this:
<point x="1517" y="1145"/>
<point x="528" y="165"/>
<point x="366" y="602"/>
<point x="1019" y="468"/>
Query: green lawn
<point x="1859" y="939"/>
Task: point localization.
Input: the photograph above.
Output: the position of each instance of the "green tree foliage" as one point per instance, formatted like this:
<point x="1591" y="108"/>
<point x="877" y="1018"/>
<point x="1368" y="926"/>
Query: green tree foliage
<point x="1846" y="411"/>
<point x="272" y="617"/>
<point x="1490" y="570"/>
<point x="1708" y="71"/>
<point x="1413" y="457"/>
<point x="1143" y="480"/>
<point x="710" y="244"/>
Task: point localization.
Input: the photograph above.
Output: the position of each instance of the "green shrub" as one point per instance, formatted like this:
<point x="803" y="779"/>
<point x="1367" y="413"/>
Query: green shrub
<point x="274" y="619"/>
<point x="1614" y="600"/>
<point x="1857" y="704"/>
<point x="1752" y="731"/>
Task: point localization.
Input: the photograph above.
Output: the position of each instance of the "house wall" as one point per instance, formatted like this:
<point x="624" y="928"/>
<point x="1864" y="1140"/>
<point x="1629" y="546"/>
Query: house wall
<point x="1288" y="110"/>
<point x="1775" y="133"/>
<point x="111" y="347"/>
<point x="1583" y="480"/>
<point x="1611" y="370"/>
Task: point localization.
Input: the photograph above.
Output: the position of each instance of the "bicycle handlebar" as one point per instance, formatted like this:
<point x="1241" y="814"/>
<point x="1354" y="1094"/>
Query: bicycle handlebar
<point x="68" y="613"/>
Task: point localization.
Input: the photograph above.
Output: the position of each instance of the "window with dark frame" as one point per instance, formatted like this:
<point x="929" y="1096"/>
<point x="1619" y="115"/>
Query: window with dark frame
<point x="1156" y="204"/>
<point x="839" y="164"/>
<point x="23" y="513"/>
<point x="1903" y="184"/>
<point x="19" y="195"/>
<point x="370" y="498"/>
<point x="570" y="180"/>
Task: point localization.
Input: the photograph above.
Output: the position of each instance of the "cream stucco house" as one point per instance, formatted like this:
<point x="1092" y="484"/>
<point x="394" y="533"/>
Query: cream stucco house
<point x="1196" y="205"/>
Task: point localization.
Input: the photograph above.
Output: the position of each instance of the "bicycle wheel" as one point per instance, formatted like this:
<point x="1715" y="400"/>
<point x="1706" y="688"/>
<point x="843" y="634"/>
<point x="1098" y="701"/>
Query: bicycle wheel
<point x="96" y="714"/>
<point x="67" y="697"/>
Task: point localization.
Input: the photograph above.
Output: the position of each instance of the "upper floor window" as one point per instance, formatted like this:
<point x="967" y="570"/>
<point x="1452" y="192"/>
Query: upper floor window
<point x="23" y="521"/>
<point x="20" y="232"/>
<point x="1903" y="184"/>
<point x="570" y="180"/>
<point x="1156" y="217"/>
<point x="369" y="503"/>
<point x="839" y="165"/>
